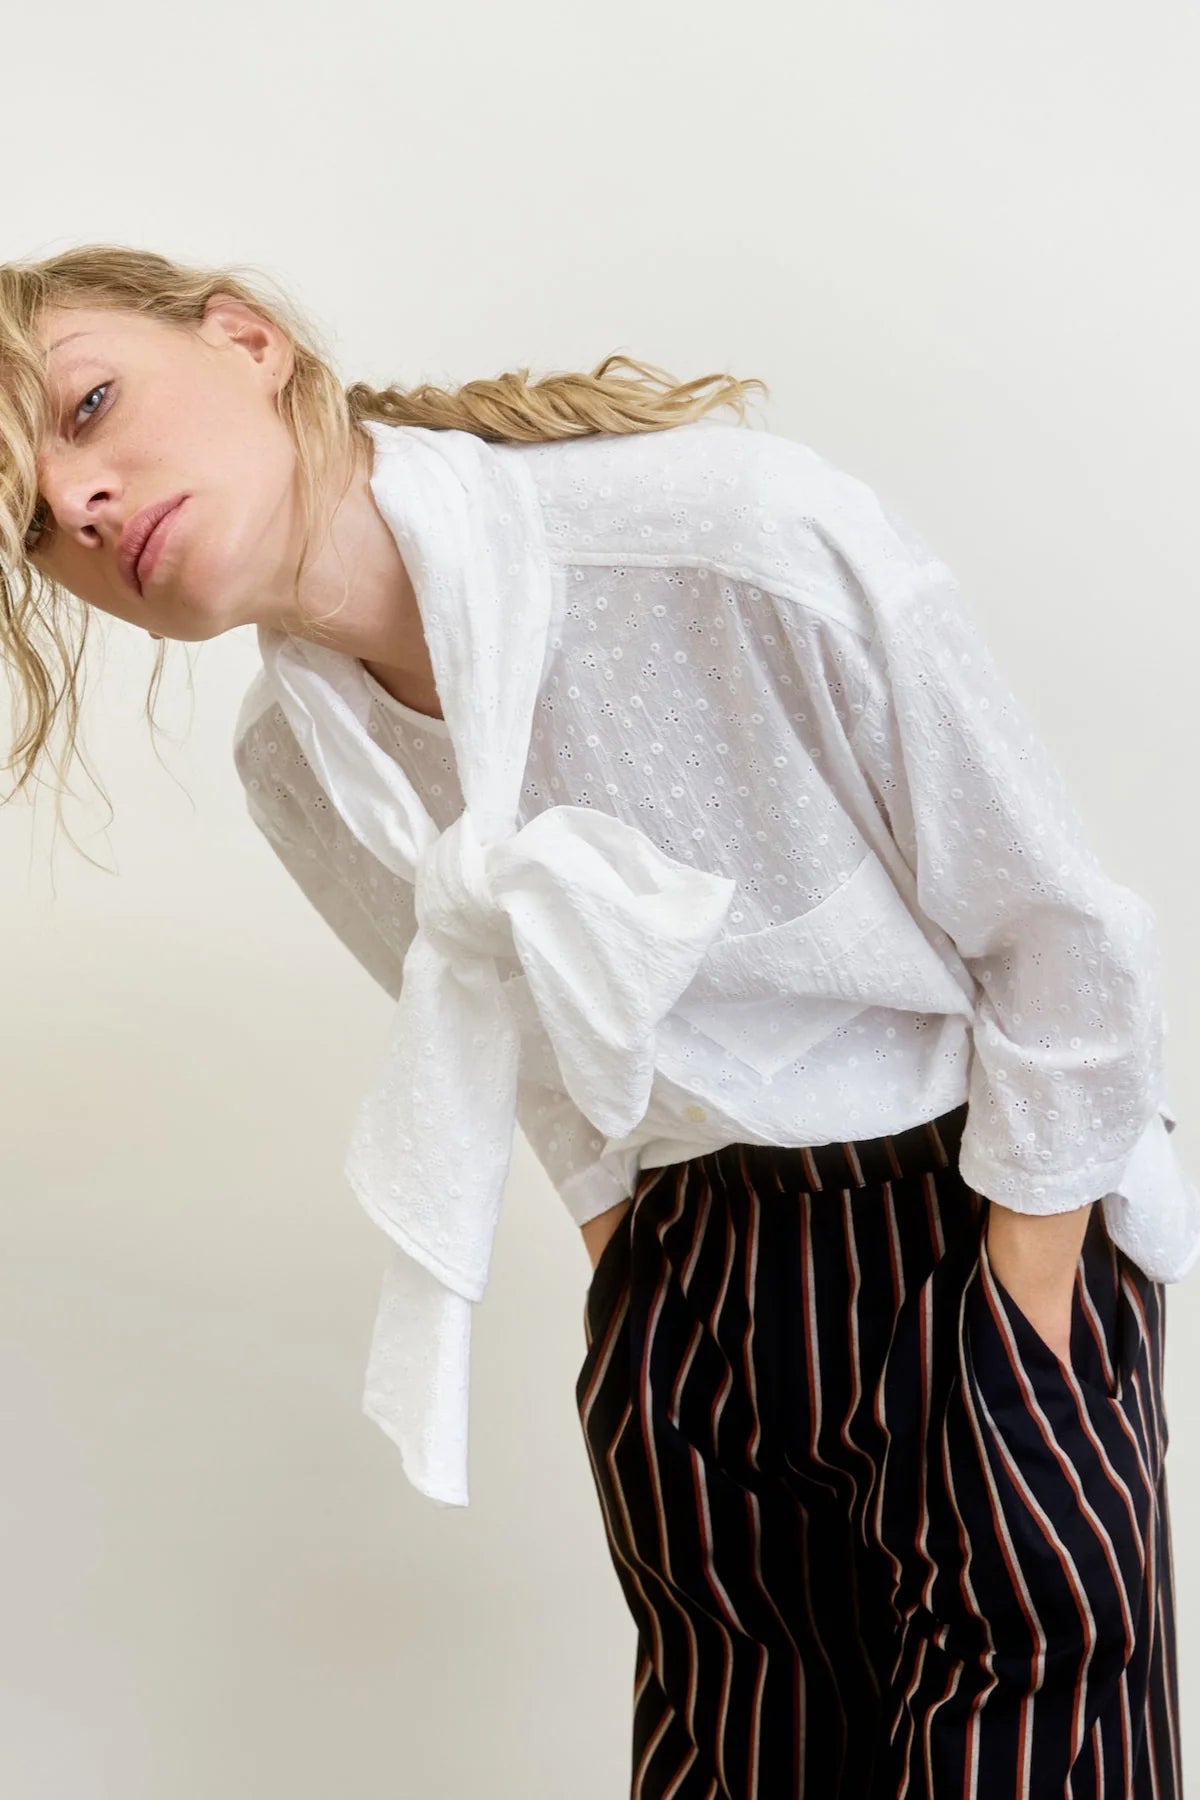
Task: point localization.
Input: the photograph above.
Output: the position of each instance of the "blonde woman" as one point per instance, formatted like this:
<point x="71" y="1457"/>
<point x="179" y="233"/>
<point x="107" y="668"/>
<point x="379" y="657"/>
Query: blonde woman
<point x="657" y="770"/>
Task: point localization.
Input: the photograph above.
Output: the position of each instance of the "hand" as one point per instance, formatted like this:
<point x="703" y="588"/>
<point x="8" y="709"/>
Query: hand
<point x="1035" y="1258"/>
<point x="597" y="1231"/>
<point x="1048" y="1313"/>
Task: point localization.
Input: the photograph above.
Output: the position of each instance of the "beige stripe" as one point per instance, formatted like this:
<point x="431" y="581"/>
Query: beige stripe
<point x="800" y="1725"/>
<point x="879" y="1410"/>
<point x="677" y="1780"/>
<point x="951" y="1689"/>
<point x="816" y="1460"/>
<point x="854" y="1360"/>
<point x="703" y="1515"/>
<point x="652" y="1742"/>
<point x="666" y="1581"/>
<point x="972" y="1733"/>
<point x="1015" y="1573"/>
<point x="1166" y="1655"/>
<point x="903" y="1709"/>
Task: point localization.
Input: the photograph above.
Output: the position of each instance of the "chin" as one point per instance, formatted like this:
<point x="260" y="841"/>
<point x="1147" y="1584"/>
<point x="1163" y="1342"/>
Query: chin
<point x="201" y="630"/>
<point x="197" y="619"/>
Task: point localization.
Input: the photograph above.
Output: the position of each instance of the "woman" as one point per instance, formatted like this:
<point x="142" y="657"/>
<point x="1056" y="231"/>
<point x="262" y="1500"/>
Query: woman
<point x="657" y="771"/>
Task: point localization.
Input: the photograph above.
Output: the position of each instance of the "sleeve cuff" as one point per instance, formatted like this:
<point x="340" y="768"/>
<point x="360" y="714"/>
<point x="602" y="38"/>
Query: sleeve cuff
<point x="1153" y="1214"/>
<point x="593" y="1190"/>
<point x="1151" y="1207"/>
<point x="1022" y="1190"/>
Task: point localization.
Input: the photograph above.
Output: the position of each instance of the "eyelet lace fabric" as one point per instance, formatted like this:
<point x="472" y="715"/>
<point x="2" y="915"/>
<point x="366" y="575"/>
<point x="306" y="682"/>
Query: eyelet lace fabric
<point x="775" y="747"/>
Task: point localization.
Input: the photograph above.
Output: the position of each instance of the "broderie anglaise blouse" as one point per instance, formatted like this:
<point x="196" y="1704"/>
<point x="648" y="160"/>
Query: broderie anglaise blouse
<point x="731" y="831"/>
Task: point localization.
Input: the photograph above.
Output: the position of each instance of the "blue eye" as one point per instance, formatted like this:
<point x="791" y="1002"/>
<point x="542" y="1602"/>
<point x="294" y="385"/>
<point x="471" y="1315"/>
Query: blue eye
<point x="38" y="524"/>
<point x="96" y="390"/>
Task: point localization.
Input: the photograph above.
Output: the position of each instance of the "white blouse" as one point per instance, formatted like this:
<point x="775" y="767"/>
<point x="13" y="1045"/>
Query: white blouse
<point x="731" y="832"/>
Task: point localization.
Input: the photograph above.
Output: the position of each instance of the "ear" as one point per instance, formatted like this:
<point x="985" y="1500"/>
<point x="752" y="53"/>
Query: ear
<point x="231" y="321"/>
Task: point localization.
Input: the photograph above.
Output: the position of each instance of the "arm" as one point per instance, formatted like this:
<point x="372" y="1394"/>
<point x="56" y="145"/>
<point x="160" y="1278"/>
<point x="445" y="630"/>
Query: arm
<point x="381" y="955"/>
<point x="370" y="909"/>
<point x="1068" y="1035"/>
<point x="597" y="1195"/>
<point x="1036" y="1259"/>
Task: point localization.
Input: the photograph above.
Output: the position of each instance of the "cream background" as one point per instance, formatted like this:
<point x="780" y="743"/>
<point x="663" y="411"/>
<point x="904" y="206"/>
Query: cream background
<point x="958" y="245"/>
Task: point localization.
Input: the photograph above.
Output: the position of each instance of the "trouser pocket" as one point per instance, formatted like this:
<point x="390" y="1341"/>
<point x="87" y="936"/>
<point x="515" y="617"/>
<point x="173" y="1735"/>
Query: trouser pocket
<point x="1020" y="1513"/>
<point x="1016" y="1500"/>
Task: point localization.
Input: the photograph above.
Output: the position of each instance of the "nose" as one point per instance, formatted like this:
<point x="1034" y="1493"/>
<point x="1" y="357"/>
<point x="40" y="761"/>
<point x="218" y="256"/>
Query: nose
<point x="80" y="502"/>
<point x="89" y="512"/>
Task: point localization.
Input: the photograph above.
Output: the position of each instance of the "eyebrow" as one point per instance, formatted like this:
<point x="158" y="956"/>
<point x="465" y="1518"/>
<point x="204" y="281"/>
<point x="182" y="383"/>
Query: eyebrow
<point x="66" y="340"/>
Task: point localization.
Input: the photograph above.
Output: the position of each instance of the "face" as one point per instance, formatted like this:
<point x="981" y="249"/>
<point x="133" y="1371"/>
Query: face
<point x="144" y="412"/>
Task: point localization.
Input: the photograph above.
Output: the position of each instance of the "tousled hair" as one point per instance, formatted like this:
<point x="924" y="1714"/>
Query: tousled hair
<point x="42" y="622"/>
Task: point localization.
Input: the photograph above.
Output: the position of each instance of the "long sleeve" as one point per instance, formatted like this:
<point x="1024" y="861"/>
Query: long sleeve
<point x="568" y="1146"/>
<point x="1066" y="1080"/>
<point x="343" y="910"/>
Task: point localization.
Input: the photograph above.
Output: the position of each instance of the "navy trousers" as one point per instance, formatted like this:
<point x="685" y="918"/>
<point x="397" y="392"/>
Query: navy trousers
<point x="877" y="1539"/>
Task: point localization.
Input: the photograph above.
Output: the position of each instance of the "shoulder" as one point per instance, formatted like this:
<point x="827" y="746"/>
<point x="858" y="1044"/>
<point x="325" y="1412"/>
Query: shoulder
<point x="759" y="506"/>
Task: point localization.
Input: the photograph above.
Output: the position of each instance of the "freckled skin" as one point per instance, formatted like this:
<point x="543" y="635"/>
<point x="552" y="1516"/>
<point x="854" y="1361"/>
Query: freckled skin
<point x="145" y="410"/>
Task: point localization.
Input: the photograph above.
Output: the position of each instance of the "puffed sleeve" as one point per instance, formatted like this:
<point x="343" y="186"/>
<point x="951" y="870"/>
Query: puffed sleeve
<point x="1067" y="1102"/>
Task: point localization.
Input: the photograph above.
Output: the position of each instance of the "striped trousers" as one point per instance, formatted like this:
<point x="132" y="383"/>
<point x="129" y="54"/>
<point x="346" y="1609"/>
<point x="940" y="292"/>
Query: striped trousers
<point x="876" y="1538"/>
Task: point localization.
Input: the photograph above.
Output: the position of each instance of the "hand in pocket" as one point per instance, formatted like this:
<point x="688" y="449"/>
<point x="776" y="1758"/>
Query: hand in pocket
<point x="1036" y="1261"/>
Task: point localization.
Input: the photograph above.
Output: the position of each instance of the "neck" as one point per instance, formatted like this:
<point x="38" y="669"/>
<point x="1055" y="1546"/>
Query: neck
<point x="378" y="620"/>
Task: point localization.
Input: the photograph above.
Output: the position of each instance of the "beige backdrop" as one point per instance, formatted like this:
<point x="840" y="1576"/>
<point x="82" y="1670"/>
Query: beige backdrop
<point x="958" y="244"/>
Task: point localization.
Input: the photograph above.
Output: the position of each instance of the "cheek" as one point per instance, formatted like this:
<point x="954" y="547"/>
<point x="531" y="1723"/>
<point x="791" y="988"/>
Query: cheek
<point x="235" y="539"/>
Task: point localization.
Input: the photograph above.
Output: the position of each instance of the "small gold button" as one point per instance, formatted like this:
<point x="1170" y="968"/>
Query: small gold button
<point x="694" y="1112"/>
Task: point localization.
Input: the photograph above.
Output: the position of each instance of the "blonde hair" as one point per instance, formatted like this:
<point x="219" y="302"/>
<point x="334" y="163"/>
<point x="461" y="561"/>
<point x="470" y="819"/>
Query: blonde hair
<point x="323" y="418"/>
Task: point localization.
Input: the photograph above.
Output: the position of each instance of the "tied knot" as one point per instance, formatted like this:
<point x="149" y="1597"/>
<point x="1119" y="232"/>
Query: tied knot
<point x="453" y="897"/>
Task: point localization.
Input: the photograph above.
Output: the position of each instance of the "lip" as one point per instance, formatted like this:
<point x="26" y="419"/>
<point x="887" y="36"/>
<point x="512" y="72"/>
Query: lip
<point x="153" y="547"/>
<point x="136" y="533"/>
